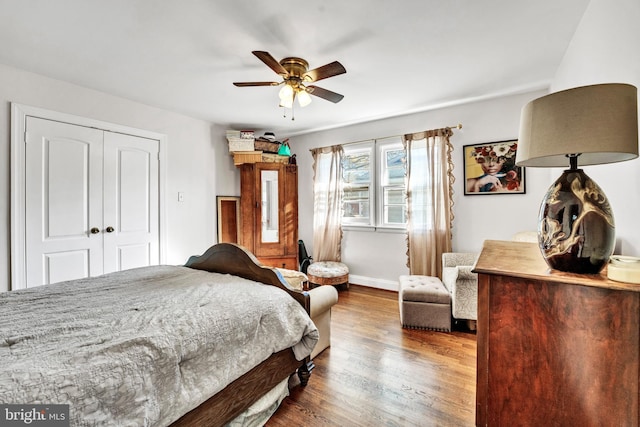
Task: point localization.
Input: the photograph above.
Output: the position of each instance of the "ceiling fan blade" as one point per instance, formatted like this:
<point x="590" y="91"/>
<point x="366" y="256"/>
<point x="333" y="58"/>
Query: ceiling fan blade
<point x="271" y="62"/>
<point x="246" y="84"/>
<point x="333" y="69"/>
<point x="325" y="94"/>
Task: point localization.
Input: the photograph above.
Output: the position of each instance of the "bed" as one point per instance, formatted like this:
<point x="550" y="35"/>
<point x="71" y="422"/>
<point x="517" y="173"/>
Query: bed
<point x="188" y="345"/>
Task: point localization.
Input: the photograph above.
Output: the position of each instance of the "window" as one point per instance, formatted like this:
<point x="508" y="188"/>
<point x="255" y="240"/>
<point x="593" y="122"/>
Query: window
<point x="357" y="180"/>
<point x="393" y="203"/>
<point x="374" y="184"/>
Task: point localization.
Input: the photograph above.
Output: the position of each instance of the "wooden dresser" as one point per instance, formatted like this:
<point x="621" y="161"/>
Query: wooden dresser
<point x="269" y="213"/>
<point x="554" y="348"/>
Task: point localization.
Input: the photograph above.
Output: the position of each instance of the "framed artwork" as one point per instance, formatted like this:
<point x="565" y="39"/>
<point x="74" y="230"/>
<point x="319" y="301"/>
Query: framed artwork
<point x="228" y="219"/>
<point x="490" y="168"/>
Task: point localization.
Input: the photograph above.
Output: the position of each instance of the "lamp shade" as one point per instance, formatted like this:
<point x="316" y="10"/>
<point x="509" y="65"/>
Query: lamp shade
<point x="599" y="122"/>
<point x="590" y="125"/>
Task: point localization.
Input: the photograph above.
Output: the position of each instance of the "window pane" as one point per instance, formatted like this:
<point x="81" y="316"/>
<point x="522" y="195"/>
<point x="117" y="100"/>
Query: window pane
<point x="356" y="193"/>
<point x="394" y="196"/>
<point x="395" y="215"/>
<point x="356" y="168"/>
<point x="356" y="176"/>
<point x="393" y="166"/>
<point x="396" y="158"/>
<point x="357" y="181"/>
<point x="395" y="176"/>
<point x="394" y="206"/>
<point x="356" y="209"/>
<point x="356" y="203"/>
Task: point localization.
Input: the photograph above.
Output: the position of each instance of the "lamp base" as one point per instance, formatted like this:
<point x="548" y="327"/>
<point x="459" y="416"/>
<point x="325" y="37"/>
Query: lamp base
<point x="576" y="231"/>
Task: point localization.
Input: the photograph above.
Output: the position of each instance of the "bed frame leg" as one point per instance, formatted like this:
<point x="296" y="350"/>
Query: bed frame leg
<point x="304" y="372"/>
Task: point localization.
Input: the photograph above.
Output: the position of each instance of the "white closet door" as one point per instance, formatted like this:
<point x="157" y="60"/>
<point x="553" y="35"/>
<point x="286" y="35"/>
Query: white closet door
<point x="131" y="204"/>
<point x="91" y="203"/>
<point x="63" y="183"/>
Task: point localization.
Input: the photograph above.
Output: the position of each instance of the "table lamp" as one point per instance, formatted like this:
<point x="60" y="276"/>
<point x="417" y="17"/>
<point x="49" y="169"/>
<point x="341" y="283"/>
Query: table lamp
<point x="587" y="125"/>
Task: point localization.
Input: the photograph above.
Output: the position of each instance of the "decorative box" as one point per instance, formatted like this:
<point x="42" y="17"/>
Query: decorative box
<point x="246" y="134"/>
<point x="240" y="144"/>
<point x="241" y="157"/>
<point x="266" y="146"/>
<point x="274" y="158"/>
<point x="233" y="133"/>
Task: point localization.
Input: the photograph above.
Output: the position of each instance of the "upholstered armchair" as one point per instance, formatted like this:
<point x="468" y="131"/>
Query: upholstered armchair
<point x="321" y="300"/>
<point x="462" y="284"/>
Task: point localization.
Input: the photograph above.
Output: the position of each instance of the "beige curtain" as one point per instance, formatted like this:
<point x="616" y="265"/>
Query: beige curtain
<point x="327" y="203"/>
<point x="430" y="200"/>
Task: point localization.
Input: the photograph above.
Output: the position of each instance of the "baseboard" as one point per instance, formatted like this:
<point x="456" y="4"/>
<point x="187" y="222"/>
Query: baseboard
<point x="372" y="282"/>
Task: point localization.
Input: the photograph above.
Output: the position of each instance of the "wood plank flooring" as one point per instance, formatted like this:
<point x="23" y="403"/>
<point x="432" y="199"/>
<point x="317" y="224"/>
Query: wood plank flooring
<point x="378" y="374"/>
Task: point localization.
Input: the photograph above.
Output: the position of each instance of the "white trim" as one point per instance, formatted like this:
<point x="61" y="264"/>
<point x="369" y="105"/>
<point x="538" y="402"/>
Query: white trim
<point x="387" y="285"/>
<point x="18" y="238"/>
<point x="394" y="230"/>
<point x="19" y="114"/>
<point x="369" y="228"/>
<point x="353" y="227"/>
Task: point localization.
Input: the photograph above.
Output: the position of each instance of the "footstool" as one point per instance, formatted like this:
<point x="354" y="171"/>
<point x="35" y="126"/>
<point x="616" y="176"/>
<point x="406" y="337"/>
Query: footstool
<point x="424" y="303"/>
<point x="328" y="273"/>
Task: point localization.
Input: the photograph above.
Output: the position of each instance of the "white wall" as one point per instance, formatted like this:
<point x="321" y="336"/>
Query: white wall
<point x="605" y="49"/>
<point x="198" y="161"/>
<point x="378" y="258"/>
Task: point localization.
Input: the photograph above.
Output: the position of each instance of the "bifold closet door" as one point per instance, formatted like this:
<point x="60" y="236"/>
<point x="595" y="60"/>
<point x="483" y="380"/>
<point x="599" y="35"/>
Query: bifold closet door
<point x="91" y="201"/>
<point x="63" y="201"/>
<point x="130" y="202"/>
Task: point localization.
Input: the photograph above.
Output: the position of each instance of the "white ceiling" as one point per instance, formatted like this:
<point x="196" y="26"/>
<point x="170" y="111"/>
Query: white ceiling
<point x="401" y="56"/>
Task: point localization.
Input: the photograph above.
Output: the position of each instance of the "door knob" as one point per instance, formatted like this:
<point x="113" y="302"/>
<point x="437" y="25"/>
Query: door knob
<point x="94" y="230"/>
<point x="110" y="229"/>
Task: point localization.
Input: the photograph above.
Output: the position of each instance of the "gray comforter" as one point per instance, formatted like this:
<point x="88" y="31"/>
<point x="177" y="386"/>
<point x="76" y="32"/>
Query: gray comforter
<point x="144" y="346"/>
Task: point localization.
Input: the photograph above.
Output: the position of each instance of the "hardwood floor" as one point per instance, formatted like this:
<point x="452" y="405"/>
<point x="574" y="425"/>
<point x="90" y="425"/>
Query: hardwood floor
<point x="378" y="374"/>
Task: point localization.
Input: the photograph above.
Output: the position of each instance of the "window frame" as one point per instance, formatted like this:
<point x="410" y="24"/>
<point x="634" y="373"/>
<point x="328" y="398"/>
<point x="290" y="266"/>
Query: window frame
<point x="377" y="149"/>
<point x="383" y="146"/>
<point x="357" y="149"/>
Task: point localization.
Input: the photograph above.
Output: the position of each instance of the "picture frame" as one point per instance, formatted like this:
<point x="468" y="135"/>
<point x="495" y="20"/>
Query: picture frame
<point x="490" y="168"/>
<point x="228" y="213"/>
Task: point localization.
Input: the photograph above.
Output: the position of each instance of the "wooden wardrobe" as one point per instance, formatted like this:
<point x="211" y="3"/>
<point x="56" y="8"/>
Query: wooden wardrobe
<point x="269" y="213"/>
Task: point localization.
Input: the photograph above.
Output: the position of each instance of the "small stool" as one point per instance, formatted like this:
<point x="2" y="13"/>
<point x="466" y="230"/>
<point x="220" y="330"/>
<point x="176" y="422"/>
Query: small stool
<point x="328" y="273"/>
<point x="424" y="303"/>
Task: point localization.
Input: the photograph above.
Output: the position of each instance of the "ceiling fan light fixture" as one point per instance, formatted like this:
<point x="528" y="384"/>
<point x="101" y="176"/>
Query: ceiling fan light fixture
<point x="303" y="98"/>
<point x="286" y="103"/>
<point x="286" y="93"/>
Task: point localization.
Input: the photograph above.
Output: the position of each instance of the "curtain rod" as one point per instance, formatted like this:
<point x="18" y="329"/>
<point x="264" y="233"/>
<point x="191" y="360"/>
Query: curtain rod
<point x="458" y="126"/>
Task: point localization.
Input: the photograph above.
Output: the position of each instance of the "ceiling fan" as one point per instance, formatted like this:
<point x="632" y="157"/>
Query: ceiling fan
<point x="295" y="73"/>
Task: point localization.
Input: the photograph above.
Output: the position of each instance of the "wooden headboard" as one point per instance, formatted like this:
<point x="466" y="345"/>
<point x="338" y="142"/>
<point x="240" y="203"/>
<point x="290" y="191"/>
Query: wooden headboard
<point x="229" y="258"/>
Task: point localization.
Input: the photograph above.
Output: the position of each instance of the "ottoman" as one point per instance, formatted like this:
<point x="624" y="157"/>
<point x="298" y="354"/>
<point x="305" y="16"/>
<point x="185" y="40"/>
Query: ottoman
<point x="328" y="273"/>
<point x="424" y="303"/>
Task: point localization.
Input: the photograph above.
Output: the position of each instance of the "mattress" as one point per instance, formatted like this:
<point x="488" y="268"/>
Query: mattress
<point x="144" y="346"/>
